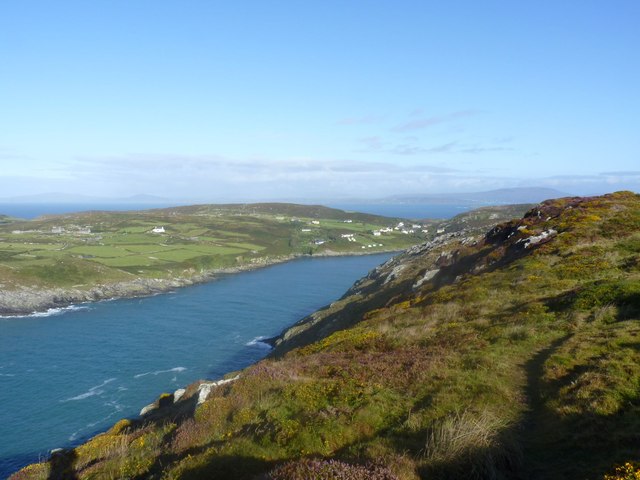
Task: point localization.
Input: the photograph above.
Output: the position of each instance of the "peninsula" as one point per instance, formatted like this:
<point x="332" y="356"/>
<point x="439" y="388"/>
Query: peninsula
<point x="58" y="260"/>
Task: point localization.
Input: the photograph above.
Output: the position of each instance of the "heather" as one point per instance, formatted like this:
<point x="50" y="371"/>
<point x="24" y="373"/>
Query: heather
<point x="511" y="354"/>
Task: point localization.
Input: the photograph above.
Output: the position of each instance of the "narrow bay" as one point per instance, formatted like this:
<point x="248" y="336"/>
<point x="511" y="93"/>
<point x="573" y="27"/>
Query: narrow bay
<point x="69" y="375"/>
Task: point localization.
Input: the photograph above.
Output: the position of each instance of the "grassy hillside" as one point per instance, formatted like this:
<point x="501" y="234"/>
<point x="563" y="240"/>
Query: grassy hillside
<point x="88" y="248"/>
<point x="514" y="354"/>
<point x="6" y="219"/>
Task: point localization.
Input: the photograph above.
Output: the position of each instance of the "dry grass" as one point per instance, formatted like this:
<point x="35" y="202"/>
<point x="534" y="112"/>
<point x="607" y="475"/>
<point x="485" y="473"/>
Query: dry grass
<point x="472" y="446"/>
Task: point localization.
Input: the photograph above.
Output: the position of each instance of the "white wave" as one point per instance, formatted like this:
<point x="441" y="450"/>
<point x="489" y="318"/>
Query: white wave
<point x="7" y="374"/>
<point x="258" y="342"/>
<point x="49" y="312"/>
<point x="158" y="372"/>
<point x="91" y="392"/>
<point x="118" y="407"/>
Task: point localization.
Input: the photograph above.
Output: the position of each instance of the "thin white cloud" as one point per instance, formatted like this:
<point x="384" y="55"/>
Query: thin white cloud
<point x="422" y="123"/>
<point x="623" y="173"/>
<point x="216" y="178"/>
<point x="363" y="120"/>
<point x="185" y="176"/>
<point x="376" y="144"/>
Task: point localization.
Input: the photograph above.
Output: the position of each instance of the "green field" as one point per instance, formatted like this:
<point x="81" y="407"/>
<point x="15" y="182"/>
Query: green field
<point x="90" y="248"/>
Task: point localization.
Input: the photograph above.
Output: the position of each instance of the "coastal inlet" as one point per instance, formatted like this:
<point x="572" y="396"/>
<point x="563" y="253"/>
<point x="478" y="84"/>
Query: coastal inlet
<point x="71" y="373"/>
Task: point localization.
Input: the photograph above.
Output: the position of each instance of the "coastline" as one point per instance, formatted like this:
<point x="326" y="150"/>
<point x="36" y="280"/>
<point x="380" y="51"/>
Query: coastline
<point x="196" y="391"/>
<point x="27" y="301"/>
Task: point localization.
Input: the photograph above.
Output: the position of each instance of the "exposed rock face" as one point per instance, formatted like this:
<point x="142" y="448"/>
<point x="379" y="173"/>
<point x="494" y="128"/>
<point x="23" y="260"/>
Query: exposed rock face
<point x="178" y="394"/>
<point x="536" y="239"/>
<point x="199" y="390"/>
<point x="205" y="388"/>
<point x="27" y="300"/>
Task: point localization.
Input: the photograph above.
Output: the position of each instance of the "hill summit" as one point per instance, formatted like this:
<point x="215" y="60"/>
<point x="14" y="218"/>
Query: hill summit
<point x="508" y="355"/>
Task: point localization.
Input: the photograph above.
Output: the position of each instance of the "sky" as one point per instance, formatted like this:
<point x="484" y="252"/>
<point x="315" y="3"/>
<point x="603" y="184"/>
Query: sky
<point x="273" y="100"/>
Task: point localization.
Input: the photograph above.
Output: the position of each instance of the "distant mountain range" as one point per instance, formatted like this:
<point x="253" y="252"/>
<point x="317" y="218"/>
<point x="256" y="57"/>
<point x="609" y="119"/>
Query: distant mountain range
<point x="500" y="196"/>
<point x="491" y="197"/>
<point x="86" y="199"/>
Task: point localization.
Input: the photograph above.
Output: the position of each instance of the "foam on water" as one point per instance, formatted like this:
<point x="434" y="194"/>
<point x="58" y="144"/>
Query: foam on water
<point x="158" y="372"/>
<point x="258" y="342"/>
<point x="91" y="392"/>
<point x="51" y="312"/>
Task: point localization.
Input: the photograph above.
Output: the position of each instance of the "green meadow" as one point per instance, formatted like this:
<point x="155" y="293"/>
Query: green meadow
<point x="90" y="248"/>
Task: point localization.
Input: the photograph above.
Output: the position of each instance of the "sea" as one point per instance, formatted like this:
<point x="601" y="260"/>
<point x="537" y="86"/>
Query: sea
<point x="413" y="211"/>
<point x="400" y="210"/>
<point x="68" y="374"/>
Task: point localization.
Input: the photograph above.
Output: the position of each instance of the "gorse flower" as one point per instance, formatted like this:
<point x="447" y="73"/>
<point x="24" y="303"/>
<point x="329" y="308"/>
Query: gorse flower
<point x="628" y="471"/>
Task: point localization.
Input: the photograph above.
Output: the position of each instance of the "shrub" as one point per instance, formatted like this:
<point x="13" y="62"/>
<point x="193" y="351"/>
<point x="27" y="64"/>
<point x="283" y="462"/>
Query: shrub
<point x="628" y="471"/>
<point x="165" y="400"/>
<point x="320" y="469"/>
<point x="120" y="426"/>
<point x="624" y="294"/>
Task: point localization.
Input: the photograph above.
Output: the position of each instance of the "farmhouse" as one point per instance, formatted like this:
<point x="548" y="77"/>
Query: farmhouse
<point x="158" y="230"/>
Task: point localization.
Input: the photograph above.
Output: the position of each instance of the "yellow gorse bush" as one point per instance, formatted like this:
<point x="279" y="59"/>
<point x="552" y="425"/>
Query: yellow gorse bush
<point x="628" y="471"/>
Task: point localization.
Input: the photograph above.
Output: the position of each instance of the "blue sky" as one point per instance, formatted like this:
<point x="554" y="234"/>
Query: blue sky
<point x="291" y="99"/>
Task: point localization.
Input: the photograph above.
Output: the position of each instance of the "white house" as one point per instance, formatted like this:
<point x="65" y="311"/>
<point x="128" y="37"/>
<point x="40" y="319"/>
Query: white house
<point x="158" y="230"/>
<point x="315" y="222"/>
<point x="440" y="230"/>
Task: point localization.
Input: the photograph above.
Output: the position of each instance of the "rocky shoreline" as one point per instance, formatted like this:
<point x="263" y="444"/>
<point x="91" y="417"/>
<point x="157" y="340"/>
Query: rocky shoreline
<point x="29" y="300"/>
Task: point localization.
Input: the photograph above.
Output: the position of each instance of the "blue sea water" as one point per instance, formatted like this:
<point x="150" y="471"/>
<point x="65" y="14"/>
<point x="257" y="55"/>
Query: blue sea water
<point x="415" y="211"/>
<point x="69" y="374"/>
<point x="32" y="210"/>
<point x="401" y="210"/>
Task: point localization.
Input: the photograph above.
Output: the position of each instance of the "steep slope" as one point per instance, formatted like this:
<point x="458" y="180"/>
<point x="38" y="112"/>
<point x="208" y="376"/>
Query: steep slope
<point x="514" y="354"/>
